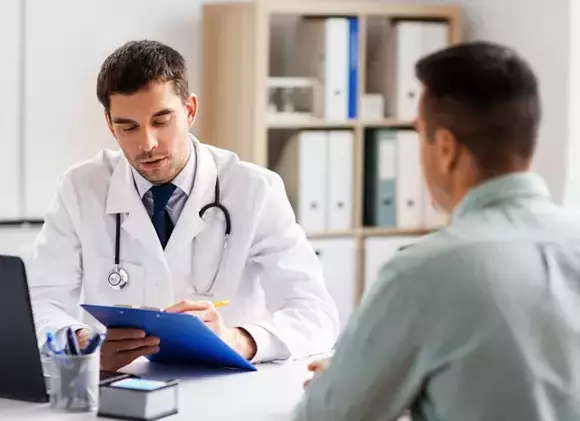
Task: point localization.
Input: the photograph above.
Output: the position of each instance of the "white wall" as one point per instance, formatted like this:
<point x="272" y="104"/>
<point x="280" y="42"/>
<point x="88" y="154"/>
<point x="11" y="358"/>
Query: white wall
<point x="540" y="31"/>
<point x="10" y="106"/>
<point x="62" y="46"/>
<point x="49" y="114"/>
<point x="572" y="186"/>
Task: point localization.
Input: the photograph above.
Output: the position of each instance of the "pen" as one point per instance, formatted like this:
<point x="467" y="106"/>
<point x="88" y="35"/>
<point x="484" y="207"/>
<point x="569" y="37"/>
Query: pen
<point x="73" y="345"/>
<point x="93" y="344"/>
<point x="218" y="304"/>
<point x="50" y="343"/>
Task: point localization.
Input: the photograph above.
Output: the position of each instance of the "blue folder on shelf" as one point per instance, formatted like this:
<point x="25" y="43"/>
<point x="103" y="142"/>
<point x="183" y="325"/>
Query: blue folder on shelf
<point x="184" y="339"/>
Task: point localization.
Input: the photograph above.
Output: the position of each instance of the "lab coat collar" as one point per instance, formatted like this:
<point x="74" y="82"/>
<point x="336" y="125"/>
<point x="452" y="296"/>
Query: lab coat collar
<point x="510" y="187"/>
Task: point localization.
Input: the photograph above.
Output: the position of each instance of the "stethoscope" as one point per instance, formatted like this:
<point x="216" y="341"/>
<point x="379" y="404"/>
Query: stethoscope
<point x="119" y="278"/>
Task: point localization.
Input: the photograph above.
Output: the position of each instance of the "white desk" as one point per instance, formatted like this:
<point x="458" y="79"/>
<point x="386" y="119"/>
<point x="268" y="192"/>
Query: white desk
<point x="204" y="394"/>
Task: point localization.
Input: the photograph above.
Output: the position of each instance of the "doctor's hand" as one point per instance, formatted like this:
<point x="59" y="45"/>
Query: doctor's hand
<point x="238" y="338"/>
<point x="122" y="346"/>
<point x="316" y="367"/>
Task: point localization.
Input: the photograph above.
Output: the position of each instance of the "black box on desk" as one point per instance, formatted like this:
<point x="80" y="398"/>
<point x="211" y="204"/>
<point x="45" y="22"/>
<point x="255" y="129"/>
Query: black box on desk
<point x="138" y="399"/>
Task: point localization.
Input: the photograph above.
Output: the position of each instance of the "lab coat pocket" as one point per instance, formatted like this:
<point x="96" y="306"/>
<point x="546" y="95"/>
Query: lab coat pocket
<point x="99" y="291"/>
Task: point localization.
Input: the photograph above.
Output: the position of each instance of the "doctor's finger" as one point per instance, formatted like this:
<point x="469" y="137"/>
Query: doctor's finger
<point x="210" y="315"/>
<point x="139" y="352"/>
<point x="122" y="334"/>
<point x="131" y="344"/>
<point x="188" y="305"/>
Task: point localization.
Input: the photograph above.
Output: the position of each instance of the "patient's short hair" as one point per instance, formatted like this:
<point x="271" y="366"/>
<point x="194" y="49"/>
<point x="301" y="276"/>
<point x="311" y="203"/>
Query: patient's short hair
<point x="486" y="95"/>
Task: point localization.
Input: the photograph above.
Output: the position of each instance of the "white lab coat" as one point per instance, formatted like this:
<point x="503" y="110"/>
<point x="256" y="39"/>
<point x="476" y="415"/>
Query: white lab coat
<point x="269" y="273"/>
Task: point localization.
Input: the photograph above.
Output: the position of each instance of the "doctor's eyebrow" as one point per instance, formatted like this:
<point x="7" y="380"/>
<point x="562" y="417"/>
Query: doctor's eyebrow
<point x="122" y="120"/>
<point x="163" y="112"/>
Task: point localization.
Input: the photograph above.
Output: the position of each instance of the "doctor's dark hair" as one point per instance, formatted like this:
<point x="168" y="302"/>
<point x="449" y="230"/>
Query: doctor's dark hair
<point x="486" y="95"/>
<point x="135" y="64"/>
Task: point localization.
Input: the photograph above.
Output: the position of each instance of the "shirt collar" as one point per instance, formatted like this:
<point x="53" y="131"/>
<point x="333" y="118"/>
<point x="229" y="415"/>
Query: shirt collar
<point x="183" y="181"/>
<point x="500" y="189"/>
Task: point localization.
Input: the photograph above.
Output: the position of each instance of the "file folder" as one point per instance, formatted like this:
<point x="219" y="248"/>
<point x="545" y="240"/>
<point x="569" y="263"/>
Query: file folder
<point x="409" y="181"/>
<point x="303" y="166"/>
<point x="184" y="339"/>
<point x="410" y="41"/>
<point x="338" y="259"/>
<point x="323" y="49"/>
<point x="406" y="48"/>
<point x="340" y="178"/>
<point x="381" y="176"/>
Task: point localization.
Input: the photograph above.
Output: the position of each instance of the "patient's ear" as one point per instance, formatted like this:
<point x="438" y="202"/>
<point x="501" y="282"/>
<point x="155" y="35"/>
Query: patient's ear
<point x="447" y="149"/>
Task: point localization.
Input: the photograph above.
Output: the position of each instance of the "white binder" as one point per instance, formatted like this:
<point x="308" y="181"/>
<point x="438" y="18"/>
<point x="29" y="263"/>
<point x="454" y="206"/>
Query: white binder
<point x="336" y="69"/>
<point x="406" y="48"/>
<point x="322" y="53"/>
<point x="435" y="36"/>
<point x="409" y="181"/>
<point x="378" y="252"/>
<point x="303" y="167"/>
<point x="340" y="179"/>
<point x="338" y="257"/>
<point x="410" y="41"/>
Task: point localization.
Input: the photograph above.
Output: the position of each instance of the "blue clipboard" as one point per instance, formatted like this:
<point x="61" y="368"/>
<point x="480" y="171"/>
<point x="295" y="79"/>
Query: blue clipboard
<point x="184" y="339"/>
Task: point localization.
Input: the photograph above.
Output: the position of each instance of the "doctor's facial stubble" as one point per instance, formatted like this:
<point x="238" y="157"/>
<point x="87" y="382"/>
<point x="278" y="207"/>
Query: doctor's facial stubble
<point x="152" y="128"/>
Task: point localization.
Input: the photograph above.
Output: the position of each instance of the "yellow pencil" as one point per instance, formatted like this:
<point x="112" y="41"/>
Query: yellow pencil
<point x="218" y="304"/>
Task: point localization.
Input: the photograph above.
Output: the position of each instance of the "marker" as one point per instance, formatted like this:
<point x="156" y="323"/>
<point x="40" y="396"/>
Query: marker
<point x="218" y="304"/>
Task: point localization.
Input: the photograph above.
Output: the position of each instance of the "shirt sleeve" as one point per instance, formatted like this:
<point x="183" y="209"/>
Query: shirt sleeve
<point x="268" y="346"/>
<point x="302" y="317"/>
<point x="377" y="369"/>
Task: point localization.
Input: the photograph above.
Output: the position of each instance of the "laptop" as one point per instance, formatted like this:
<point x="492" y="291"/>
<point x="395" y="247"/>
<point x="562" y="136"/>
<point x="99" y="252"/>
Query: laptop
<point x="21" y="375"/>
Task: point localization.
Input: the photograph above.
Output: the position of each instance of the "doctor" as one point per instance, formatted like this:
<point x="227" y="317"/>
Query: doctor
<point x="169" y="222"/>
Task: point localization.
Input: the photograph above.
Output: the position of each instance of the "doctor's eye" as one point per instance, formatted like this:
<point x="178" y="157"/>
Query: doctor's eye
<point x="162" y="120"/>
<point x="128" y="128"/>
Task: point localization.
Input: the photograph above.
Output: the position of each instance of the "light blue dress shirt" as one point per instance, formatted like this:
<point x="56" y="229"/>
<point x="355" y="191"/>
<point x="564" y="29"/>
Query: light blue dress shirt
<point x="479" y="321"/>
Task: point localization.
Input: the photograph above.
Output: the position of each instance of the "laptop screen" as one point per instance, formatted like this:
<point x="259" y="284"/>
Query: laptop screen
<point x="20" y="364"/>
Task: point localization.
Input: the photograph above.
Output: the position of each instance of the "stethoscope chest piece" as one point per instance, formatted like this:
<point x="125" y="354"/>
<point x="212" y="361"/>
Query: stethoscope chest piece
<point x="118" y="278"/>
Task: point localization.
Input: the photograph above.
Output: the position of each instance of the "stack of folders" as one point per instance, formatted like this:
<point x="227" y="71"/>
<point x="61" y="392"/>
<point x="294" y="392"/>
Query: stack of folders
<point x="395" y="191"/>
<point x="317" y="169"/>
<point x="327" y="50"/>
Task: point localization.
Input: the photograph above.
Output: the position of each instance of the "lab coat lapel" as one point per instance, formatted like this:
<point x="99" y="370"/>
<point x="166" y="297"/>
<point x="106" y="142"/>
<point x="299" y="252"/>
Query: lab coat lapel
<point x="190" y="223"/>
<point x="123" y="198"/>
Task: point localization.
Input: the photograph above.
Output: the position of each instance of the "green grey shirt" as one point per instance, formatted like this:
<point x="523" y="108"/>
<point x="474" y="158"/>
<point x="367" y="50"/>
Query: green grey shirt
<point x="479" y="321"/>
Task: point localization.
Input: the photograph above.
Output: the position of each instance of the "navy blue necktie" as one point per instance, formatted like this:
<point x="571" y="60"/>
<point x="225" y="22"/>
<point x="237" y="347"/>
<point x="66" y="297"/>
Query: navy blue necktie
<point x="160" y="218"/>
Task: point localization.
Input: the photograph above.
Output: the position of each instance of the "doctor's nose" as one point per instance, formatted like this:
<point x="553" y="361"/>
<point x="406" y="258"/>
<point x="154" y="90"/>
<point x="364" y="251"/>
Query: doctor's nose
<point x="148" y="143"/>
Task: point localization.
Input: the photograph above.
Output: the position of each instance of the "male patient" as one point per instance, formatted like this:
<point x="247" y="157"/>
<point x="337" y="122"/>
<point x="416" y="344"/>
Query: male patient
<point x="481" y="320"/>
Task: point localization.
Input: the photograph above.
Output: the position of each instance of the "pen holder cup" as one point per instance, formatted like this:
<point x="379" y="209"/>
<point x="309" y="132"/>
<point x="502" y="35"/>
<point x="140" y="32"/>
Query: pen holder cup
<point x="74" y="383"/>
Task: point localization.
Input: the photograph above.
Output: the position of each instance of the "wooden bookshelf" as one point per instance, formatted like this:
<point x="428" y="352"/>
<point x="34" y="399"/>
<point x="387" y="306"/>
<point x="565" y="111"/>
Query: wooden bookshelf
<point x="238" y="41"/>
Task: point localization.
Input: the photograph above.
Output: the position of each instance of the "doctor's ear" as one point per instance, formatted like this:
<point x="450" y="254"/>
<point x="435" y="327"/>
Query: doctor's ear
<point x="191" y="106"/>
